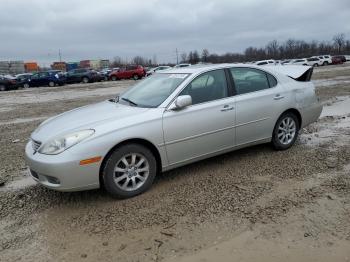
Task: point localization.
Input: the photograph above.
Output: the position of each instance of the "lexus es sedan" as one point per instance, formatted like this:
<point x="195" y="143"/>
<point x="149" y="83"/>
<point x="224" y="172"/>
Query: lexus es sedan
<point x="170" y="119"/>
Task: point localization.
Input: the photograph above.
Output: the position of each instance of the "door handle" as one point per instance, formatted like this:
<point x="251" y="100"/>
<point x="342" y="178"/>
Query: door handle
<point x="278" y="97"/>
<point x="227" y="108"/>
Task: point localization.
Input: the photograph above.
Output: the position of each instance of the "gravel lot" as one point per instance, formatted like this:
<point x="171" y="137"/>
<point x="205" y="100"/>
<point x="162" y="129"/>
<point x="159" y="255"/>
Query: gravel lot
<point x="252" y="204"/>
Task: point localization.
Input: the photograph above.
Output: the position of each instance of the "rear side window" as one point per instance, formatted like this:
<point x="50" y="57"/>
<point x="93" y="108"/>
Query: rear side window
<point x="249" y="80"/>
<point x="262" y="63"/>
<point x="272" y="80"/>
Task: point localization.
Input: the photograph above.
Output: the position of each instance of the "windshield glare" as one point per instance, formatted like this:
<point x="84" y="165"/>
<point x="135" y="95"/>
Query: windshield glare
<point x="152" y="91"/>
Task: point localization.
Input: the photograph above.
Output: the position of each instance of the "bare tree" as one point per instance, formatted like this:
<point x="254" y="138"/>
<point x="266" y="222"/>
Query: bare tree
<point x="183" y="57"/>
<point x="205" y="54"/>
<point x="339" y="41"/>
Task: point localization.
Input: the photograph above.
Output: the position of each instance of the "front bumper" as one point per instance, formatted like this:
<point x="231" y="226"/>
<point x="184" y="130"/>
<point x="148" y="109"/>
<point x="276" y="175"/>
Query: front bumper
<point x="62" y="172"/>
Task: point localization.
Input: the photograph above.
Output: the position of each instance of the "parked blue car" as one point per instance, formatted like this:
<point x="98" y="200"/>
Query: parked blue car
<point x="47" y="78"/>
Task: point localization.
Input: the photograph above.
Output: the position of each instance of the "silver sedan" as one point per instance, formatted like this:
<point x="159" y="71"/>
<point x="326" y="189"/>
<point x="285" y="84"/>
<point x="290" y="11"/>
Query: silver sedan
<point x="168" y="120"/>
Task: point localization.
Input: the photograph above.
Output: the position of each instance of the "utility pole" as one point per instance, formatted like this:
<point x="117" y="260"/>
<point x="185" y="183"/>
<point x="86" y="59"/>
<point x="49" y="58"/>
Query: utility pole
<point x="59" y="54"/>
<point x="177" y="57"/>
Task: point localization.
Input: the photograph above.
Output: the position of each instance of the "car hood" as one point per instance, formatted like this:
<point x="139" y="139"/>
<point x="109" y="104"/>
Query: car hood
<point x="87" y="117"/>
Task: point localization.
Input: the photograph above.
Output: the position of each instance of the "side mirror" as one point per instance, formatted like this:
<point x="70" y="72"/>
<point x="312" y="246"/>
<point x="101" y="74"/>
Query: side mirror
<point x="181" y="102"/>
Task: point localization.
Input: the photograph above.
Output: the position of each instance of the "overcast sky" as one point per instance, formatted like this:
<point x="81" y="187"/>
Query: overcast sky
<point x="83" y="29"/>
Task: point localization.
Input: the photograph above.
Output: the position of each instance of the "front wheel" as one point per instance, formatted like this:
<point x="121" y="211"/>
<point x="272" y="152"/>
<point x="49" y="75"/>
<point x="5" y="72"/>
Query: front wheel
<point x="51" y="84"/>
<point x="129" y="171"/>
<point x="2" y="88"/>
<point x="285" y="132"/>
<point x="26" y="85"/>
<point x="85" y="80"/>
<point x="114" y="78"/>
<point x="136" y="77"/>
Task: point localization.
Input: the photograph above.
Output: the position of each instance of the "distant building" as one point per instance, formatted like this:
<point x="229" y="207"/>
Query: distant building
<point x="59" y="66"/>
<point x="11" y="67"/>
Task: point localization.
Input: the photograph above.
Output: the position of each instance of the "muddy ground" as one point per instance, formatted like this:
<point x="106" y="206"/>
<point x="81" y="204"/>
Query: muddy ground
<point x="254" y="204"/>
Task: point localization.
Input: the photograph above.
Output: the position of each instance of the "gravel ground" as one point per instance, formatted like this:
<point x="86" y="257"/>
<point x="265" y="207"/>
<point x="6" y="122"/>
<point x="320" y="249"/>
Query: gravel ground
<point x="291" y="205"/>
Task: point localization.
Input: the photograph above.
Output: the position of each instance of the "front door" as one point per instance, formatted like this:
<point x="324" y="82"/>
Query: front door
<point x="205" y="127"/>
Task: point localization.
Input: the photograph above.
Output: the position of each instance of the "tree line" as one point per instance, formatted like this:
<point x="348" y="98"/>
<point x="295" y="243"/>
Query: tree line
<point x="291" y="48"/>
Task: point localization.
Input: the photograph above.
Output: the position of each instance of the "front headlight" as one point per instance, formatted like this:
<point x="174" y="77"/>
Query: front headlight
<point x="59" y="144"/>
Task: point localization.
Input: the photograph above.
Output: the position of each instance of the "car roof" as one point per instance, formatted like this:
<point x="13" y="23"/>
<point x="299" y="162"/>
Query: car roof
<point x="203" y="68"/>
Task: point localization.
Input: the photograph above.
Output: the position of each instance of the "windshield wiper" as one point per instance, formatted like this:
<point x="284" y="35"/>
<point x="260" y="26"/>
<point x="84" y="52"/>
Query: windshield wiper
<point x="128" y="100"/>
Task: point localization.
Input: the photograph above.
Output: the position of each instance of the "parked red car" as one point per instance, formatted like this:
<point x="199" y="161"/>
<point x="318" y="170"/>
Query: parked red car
<point x="132" y="71"/>
<point x="337" y="60"/>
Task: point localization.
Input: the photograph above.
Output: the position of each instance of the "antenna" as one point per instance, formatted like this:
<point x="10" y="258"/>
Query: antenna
<point x="59" y="54"/>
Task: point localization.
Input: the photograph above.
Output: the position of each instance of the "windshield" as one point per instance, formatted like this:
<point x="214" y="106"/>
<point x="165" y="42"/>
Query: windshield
<point x="152" y="91"/>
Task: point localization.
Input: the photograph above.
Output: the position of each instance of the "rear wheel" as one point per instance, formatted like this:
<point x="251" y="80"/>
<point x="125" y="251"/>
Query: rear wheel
<point x="51" y="84"/>
<point x="26" y="85"/>
<point x="286" y="131"/>
<point x="316" y="65"/>
<point x="2" y="88"/>
<point x="85" y="80"/>
<point x="129" y="171"/>
<point x="325" y="63"/>
<point x="114" y="78"/>
<point x="136" y="77"/>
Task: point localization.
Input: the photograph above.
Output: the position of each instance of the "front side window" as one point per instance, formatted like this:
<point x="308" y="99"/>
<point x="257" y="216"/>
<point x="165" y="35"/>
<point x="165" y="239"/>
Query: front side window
<point x="152" y="91"/>
<point x="249" y="80"/>
<point x="207" y="87"/>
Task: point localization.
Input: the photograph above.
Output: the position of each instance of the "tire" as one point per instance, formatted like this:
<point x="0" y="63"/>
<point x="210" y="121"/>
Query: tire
<point x="51" y="84"/>
<point x="85" y="80"/>
<point x="124" y="181"/>
<point x="114" y="78"/>
<point x="316" y="65"/>
<point x="282" y="138"/>
<point x="325" y="63"/>
<point x="26" y="85"/>
<point x="136" y="77"/>
<point x="2" y="88"/>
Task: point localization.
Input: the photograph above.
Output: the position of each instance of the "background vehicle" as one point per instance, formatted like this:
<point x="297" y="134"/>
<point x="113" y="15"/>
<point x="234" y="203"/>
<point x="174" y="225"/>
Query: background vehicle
<point x="301" y="61"/>
<point x="182" y="65"/>
<point x="46" y="78"/>
<point x="265" y="62"/>
<point x="341" y="57"/>
<point x="325" y="59"/>
<point x="314" y="61"/>
<point x="347" y="57"/>
<point x="22" y="78"/>
<point x="159" y="68"/>
<point x="125" y="142"/>
<point x="336" y="60"/>
<point x="105" y="73"/>
<point x="83" y="75"/>
<point x="132" y="71"/>
<point x="7" y="84"/>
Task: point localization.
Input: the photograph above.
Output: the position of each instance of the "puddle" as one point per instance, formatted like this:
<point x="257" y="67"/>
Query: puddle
<point x="24" y="182"/>
<point x="339" y="108"/>
<point x="333" y="126"/>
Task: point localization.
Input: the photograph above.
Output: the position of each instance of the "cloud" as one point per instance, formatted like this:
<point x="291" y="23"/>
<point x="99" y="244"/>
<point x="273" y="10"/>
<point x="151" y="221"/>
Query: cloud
<point x="36" y="29"/>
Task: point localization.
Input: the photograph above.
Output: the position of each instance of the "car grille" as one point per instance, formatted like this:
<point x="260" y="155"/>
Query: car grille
<point x="36" y="145"/>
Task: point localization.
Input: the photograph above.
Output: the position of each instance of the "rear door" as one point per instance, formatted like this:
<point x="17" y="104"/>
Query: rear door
<point x="259" y="100"/>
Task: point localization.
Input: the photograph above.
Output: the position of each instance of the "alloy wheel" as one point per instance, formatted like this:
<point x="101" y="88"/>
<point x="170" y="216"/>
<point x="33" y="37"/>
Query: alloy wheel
<point x="286" y="130"/>
<point x="131" y="172"/>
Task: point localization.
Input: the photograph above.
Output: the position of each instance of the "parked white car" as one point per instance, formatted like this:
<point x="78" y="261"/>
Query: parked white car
<point x="182" y="65"/>
<point x="325" y="59"/>
<point x="159" y="68"/>
<point x="170" y="119"/>
<point x="265" y="62"/>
